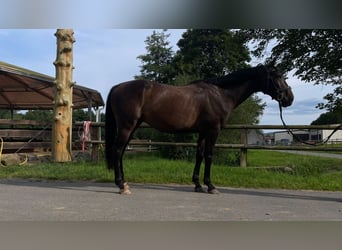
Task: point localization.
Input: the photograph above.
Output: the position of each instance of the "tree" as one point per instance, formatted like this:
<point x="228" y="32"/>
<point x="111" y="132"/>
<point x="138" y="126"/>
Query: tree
<point x="81" y="115"/>
<point x="207" y="53"/>
<point x="39" y="115"/>
<point x="157" y="63"/>
<point x="314" y="55"/>
<point x="328" y="118"/>
<point x="6" y="114"/>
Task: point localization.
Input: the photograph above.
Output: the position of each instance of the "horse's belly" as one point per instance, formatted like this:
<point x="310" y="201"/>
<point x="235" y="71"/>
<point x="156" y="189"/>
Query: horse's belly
<point x="171" y="123"/>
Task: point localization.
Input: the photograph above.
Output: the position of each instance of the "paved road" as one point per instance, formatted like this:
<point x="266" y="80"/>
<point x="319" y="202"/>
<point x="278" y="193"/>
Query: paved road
<point x="23" y="200"/>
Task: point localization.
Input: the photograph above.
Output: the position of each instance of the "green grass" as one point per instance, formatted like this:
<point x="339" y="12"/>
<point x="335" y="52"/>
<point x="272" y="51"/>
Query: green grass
<point x="58" y="171"/>
<point x="265" y="170"/>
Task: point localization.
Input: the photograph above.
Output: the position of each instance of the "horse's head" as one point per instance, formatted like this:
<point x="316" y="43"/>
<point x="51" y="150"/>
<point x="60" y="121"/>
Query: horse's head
<point x="277" y="87"/>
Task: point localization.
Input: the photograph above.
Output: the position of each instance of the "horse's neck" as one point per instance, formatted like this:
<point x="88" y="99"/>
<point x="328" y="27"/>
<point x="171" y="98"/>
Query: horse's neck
<point x="240" y="92"/>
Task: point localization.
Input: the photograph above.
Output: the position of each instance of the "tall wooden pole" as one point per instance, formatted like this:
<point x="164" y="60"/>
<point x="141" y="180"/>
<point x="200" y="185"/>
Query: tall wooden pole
<point x="62" y="125"/>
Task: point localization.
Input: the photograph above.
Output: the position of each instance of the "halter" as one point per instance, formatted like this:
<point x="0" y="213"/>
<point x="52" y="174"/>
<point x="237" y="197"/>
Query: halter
<point x="279" y="91"/>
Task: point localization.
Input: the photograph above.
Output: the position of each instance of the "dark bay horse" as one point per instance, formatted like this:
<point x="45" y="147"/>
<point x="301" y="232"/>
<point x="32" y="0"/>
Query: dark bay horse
<point x="201" y="107"/>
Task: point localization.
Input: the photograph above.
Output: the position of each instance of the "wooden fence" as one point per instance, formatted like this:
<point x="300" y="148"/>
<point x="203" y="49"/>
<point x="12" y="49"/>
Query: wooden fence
<point x="25" y="135"/>
<point x="243" y="146"/>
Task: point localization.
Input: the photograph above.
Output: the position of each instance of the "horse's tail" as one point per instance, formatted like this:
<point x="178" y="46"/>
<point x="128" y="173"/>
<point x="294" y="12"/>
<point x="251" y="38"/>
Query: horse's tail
<point x="110" y="132"/>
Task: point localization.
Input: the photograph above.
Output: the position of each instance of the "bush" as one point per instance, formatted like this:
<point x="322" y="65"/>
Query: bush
<point x="221" y="156"/>
<point x="228" y="157"/>
<point x="178" y="152"/>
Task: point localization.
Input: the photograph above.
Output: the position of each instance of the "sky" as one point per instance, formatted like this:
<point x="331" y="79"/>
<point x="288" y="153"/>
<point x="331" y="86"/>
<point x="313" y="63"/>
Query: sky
<point x="106" y="57"/>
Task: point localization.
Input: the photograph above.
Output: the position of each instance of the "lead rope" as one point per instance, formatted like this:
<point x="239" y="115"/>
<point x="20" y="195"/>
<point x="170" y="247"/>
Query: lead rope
<point x="289" y="131"/>
<point x="29" y="141"/>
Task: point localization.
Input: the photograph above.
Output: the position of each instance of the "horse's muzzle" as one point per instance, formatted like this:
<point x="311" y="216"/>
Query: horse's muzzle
<point x="285" y="97"/>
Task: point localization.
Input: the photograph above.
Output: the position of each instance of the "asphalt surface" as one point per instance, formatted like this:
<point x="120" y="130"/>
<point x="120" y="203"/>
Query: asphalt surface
<point x="24" y="200"/>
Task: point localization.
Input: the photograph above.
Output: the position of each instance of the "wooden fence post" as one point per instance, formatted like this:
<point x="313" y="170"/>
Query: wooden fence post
<point x="243" y="151"/>
<point x="62" y="124"/>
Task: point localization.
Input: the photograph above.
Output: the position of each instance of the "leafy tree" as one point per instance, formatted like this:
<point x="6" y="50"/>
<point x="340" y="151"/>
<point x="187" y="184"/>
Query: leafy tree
<point x="39" y="115"/>
<point x="314" y="55"/>
<point x="157" y="63"/>
<point x="81" y="115"/>
<point x="207" y="53"/>
<point x="47" y="115"/>
<point x="5" y="114"/>
<point x="328" y="118"/>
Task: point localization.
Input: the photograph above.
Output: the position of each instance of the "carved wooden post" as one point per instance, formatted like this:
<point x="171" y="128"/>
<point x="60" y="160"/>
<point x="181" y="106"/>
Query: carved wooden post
<point x="62" y="124"/>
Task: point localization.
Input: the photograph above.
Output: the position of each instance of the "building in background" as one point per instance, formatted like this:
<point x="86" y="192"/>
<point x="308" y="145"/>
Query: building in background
<point x="312" y="135"/>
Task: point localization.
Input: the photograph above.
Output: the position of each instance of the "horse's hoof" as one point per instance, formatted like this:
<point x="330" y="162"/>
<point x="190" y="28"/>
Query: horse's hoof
<point x="199" y="190"/>
<point x="213" y="191"/>
<point x="125" y="189"/>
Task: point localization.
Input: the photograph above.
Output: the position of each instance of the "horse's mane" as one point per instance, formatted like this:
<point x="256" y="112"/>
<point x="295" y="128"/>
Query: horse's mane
<point x="235" y="77"/>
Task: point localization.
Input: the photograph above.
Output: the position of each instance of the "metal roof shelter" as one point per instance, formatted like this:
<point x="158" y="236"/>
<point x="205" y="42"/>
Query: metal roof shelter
<point x="23" y="89"/>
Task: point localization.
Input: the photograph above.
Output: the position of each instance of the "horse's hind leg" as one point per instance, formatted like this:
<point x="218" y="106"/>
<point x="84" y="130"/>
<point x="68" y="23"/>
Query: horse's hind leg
<point x="119" y="149"/>
<point x="124" y="188"/>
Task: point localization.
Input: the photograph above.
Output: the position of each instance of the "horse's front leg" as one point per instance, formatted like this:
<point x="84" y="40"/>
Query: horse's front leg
<point x="208" y="156"/>
<point x="199" y="159"/>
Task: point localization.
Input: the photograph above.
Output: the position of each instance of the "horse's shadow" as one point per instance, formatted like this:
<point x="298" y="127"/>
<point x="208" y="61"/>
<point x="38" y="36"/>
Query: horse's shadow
<point x="285" y="194"/>
<point x="97" y="187"/>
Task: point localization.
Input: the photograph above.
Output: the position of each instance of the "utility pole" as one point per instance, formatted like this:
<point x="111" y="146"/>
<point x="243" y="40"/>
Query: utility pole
<point x="62" y="123"/>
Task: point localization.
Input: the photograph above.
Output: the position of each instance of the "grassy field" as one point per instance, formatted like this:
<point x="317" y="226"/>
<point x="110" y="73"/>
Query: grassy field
<point x="267" y="169"/>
